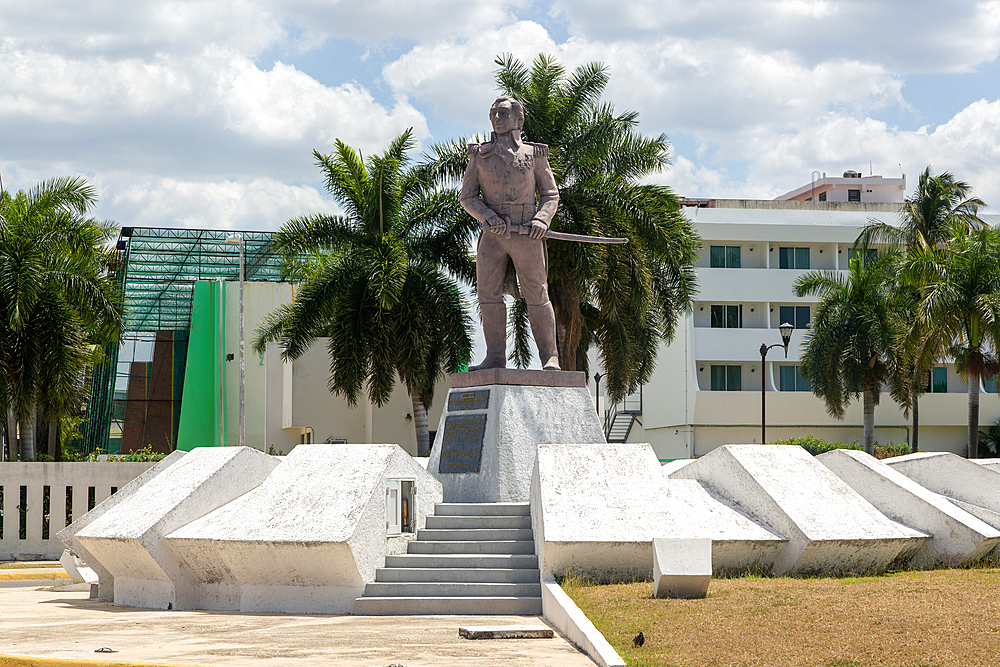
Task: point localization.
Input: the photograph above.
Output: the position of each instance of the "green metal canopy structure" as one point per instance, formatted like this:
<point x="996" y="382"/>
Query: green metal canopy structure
<point x="158" y="269"/>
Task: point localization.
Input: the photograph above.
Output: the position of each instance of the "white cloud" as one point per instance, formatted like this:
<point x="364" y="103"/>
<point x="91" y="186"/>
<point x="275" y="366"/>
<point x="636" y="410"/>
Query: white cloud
<point x="907" y="37"/>
<point x="262" y="203"/>
<point x="709" y="86"/>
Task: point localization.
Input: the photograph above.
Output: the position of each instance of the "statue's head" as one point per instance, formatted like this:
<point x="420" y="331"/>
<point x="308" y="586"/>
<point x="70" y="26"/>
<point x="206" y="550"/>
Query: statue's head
<point x="506" y="114"/>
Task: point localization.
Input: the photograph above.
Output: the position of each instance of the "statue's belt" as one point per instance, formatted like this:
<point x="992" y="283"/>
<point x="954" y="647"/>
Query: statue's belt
<point x="515" y="214"/>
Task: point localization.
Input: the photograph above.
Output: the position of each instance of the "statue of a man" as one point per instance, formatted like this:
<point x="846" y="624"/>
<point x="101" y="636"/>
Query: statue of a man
<point x="499" y="189"/>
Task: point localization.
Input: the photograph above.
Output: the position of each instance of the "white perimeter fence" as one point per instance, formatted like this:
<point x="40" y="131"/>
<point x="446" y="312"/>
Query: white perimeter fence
<point x="37" y="500"/>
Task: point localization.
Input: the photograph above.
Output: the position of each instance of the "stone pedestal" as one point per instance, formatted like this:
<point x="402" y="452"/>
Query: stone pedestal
<point x="494" y="421"/>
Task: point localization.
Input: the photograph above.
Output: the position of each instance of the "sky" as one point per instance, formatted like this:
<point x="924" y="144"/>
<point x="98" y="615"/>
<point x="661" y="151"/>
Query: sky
<point x="205" y="113"/>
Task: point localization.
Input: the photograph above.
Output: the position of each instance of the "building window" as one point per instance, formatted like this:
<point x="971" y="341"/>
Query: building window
<point x="727" y="378"/>
<point x="797" y="316"/>
<point x="822" y="196"/>
<point x="793" y="258"/>
<point x="724" y="256"/>
<point x="791" y="379"/>
<point x="937" y="381"/>
<point x="854" y="195"/>
<point x="869" y="255"/>
<point x="727" y="317"/>
<point x="990" y="384"/>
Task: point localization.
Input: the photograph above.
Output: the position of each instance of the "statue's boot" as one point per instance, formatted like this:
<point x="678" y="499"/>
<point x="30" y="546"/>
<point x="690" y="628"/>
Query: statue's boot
<point x="495" y="331"/>
<point x="543" y="328"/>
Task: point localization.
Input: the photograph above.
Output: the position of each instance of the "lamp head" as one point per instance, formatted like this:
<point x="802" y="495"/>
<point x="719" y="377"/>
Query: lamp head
<point x="234" y="238"/>
<point x="786" y="334"/>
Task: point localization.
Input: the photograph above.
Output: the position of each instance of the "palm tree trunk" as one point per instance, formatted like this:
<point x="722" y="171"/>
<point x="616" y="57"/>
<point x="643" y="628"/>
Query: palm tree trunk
<point x="28" y="437"/>
<point x="11" y="436"/>
<point x="420" y="423"/>
<point x="973" y="415"/>
<point x="869" y="423"/>
<point x="53" y="444"/>
<point x="916" y="422"/>
<point x="569" y="323"/>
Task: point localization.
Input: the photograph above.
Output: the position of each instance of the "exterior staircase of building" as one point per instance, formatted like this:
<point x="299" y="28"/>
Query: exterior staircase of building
<point x="472" y="558"/>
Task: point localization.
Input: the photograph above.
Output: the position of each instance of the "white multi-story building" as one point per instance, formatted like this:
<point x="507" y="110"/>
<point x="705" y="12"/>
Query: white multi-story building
<point x="706" y="390"/>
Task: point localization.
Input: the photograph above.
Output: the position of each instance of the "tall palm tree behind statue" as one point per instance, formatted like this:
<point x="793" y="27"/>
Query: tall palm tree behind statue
<point x="960" y="308"/>
<point x="57" y="301"/>
<point x="850" y="345"/>
<point x="623" y="298"/>
<point x="925" y="222"/>
<point x="378" y="280"/>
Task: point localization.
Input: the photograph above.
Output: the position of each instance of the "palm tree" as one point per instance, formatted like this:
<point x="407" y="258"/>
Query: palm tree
<point x="925" y="221"/>
<point x="960" y="307"/>
<point x="624" y="299"/>
<point x="379" y="280"/>
<point x="57" y="301"/>
<point x="852" y="338"/>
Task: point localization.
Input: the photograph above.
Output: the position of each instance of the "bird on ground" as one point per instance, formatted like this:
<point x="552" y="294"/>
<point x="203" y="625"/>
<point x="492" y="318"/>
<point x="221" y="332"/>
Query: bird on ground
<point x="638" y="640"/>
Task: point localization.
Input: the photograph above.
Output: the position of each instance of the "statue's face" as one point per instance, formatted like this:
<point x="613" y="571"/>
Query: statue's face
<point x="504" y="118"/>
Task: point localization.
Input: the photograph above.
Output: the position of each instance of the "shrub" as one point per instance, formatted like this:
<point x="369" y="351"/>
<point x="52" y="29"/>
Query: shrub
<point x="816" y="446"/>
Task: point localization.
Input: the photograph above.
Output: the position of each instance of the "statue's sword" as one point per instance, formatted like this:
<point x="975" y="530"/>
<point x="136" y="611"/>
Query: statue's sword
<point x="559" y="236"/>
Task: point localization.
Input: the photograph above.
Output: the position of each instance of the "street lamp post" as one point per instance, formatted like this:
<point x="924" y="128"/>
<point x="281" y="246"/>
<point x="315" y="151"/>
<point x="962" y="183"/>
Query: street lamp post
<point x="786" y="337"/>
<point x="238" y="239"/>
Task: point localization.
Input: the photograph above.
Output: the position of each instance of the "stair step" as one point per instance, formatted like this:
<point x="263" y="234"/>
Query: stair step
<point x="492" y="606"/>
<point x="473" y="534"/>
<point x="478" y="522"/>
<point x="478" y="547"/>
<point x="482" y="509"/>
<point x="448" y="561"/>
<point x="437" y="589"/>
<point x="459" y="574"/>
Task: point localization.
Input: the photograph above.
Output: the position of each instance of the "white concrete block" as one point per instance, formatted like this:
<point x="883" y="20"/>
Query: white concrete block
<point x="682" y="568"/>
<point x="830" y="527"/>
<point x="595" y="510"/>
<point x="676" y="464"/>
<point x="308" y="538"/>
<point x="958" y="536"/>
<point x="953" y="476"/>
<point x="518" y="419"/>
<point x="992" y="464"/>
<point x="106" y="588"/>
<point x="128" y="541"/>
<point x="560" y="610"/>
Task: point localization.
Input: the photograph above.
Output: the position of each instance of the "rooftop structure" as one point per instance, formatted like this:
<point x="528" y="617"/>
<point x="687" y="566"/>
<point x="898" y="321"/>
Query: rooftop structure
<point x="851" y="187"/>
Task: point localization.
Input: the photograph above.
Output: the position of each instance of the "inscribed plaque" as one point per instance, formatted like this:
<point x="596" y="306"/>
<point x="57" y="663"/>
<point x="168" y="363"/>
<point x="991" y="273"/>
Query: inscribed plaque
<point x="462" y="443"/>
<point x="468" y="400"/>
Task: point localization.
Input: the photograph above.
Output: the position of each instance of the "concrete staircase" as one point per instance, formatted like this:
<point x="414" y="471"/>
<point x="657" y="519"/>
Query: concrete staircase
<point x="472" y="558"/>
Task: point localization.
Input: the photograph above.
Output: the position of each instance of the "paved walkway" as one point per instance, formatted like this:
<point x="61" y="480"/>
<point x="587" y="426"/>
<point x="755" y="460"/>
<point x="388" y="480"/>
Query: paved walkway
<point x="64" y="623"/>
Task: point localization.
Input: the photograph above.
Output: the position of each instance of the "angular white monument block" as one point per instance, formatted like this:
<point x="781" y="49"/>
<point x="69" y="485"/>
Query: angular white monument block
<point x="493" y="422"/>
<point x="953" y="476"/>
<point x="958" y="536"/>
<point x="309" y="537"/>
<point x="595" y="509"/>
<point x="106" y="585"/>
<point x="127" y="540"/>
<point x="991" y="464"/>
<point x="830" y="527"/>
<point x="682" y="568"/>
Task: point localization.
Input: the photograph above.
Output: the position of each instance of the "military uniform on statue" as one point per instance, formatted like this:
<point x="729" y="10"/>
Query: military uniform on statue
<point x="496" y="417"/>
<point x="499" y="190"/>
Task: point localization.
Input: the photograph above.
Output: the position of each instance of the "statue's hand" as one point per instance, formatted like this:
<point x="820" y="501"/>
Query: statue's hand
<point x="538" y="230"/>
<point x="496" y="224"/>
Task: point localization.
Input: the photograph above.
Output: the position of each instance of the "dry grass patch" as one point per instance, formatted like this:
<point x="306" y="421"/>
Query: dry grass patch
<point x="939" y="618"/>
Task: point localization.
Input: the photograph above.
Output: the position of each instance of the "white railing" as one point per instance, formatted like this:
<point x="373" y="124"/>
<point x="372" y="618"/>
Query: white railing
<point x="37" y="500"/>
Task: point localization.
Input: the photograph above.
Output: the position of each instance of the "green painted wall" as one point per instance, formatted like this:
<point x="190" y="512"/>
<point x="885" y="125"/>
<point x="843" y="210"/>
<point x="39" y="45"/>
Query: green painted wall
<point x="203" y="414"/>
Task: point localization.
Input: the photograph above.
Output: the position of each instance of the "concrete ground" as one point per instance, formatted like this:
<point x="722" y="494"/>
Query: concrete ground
<point x="65" y="623"/>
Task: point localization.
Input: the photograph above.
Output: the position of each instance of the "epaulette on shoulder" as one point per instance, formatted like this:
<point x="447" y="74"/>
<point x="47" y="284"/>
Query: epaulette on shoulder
<point x="541" y="150"/>
<point x="473" y="148"/>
